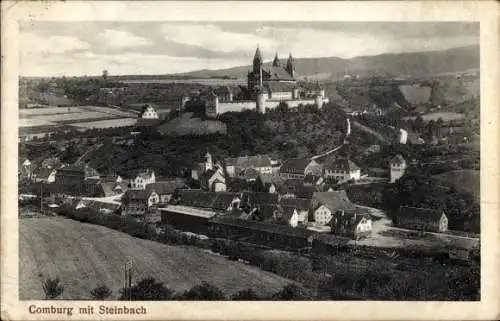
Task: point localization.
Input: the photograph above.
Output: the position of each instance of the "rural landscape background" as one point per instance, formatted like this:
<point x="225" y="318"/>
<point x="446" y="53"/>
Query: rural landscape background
<point x="84" y="90"/>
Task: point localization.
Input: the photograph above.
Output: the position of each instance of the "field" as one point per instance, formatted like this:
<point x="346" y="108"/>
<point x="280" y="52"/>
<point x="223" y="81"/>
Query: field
<point x="83" y="255"/>
<point x="122" y="122"/>
<point x="31" y="120"/>
<point x="416" y="94"/>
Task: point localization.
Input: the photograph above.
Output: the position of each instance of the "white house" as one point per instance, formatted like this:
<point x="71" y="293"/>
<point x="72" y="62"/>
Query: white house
<point x="213" y="180"/>
<point x="139" y="202"/>
<point x="342" y="169"/>
<point x="142" y="179"/>
<point x="46" y="175"/>
<point x="398" y="167"/>
<point x="149" y="113"/>
<point x="322" y="215"/>
<point x="261" y="163"/>
<point x="328" y="203"/>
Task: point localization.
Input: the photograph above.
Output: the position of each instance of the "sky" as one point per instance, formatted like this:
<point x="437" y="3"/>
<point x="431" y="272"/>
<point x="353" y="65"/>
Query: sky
<point x="49" y="48"/>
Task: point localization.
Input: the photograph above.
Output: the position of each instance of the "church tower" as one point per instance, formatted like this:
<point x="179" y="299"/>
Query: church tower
<point x="290" y="68"/>
<point x="276" y="61"/>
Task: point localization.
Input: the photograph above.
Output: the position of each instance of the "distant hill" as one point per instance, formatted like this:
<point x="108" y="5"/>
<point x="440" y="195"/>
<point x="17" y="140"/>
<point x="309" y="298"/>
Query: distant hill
<point x="416" y="64"/>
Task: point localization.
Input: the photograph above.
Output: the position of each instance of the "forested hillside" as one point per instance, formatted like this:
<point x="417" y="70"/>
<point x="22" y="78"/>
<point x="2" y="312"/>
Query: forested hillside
<point x="282" y="133"/>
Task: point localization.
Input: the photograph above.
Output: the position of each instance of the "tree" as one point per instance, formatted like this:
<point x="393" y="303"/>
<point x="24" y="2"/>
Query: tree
<point x="245" y="295"/>
<point x="100" y="292"/>
<point x="53" y="288"/>
<point x="282" y="107"/>
<point x="203" y="291"/>
<point x="148" y="289"/>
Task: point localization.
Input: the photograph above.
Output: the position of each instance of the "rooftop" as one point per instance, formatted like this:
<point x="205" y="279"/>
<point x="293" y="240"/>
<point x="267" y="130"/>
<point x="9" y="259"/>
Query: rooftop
<point x="335" y="200"/>
<point x="189" y="210"/>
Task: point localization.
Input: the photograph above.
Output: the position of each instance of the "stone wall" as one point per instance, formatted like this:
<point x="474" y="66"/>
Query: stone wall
<point x="236" y="106"/>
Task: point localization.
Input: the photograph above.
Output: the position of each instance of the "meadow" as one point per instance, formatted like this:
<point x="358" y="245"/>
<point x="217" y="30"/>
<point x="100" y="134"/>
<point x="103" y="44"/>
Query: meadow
<point x="84" y="255"/>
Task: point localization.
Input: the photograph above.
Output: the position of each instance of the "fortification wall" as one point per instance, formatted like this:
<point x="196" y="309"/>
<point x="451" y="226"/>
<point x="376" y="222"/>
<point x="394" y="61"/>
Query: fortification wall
<point x="236" y="106"/>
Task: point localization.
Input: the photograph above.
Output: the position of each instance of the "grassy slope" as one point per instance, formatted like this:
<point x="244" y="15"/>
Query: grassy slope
<point x="467" y="181"/>
<point x="83" y="255"/>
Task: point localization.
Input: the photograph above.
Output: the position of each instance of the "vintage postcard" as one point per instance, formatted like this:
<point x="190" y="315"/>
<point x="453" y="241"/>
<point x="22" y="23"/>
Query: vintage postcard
<point x="250" y="160"/>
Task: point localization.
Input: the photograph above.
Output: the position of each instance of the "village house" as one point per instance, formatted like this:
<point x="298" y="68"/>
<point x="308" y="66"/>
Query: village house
<point x="342" y="169"/>
<point x="165" y="189"/>
<point x="218" y="201"/>
<point x="302" y="205"/>
<point x="253" y="199"/>
<point x="213" y="180"/>
<point x="268" y="183"/>
<point x="142" y="179"/>
<point x="351" y="224"/>
<point x="298" y="168"/>
<point x="263" y="164"/>
<point x="25" y="169"/>
<point x="201" y="167"/>
<point x="326" y="204"/>
<point x="398" y="167"/>
<point x="138" y="202"/>
<point x="70" y="175"/>
<point x="44" y="175"/>
<point x="149" y="112"/>
<point x="423" y="219"/>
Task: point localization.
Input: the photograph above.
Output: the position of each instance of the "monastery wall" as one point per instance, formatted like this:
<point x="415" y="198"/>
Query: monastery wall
<point x="235" y="106"/>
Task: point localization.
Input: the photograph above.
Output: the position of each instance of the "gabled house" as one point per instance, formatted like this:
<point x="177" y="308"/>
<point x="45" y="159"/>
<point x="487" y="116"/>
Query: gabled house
<point x="219" y="201"/>
<point x="342" y="169"/>
<point x="302" y="205"/>
<point x="139" y="202"/>
<point x="351" y="224"/>
<point x="298" y="168"/>
<point x="165" y="189"/>
<point x="263" y="164"/>
<point x="149" y="112"/>
<point x="424" y="219"/>
<point x="70" y="175"/>
<point x="326" y="204"/>
<point x="398" y="167"/>
<point x="268" y="183"/>
<point x="213" y="180"/>
<point x="45" y="175"/>
<point x="253" y="199"/>
<point x="142" y="179"/>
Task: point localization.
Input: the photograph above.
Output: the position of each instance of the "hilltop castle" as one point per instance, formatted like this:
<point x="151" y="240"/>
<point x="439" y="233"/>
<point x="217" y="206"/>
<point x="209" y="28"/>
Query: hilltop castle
<point x="268" y="87"/>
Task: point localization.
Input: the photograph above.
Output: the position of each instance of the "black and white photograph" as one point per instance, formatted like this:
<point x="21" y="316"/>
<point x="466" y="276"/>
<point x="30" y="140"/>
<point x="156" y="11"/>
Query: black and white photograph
<point x="247" y="160"/>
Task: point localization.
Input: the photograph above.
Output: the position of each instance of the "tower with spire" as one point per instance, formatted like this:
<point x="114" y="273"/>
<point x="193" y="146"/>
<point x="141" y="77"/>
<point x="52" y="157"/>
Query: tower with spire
<point x="276" y="61"/>
<point x="290" y="68"/>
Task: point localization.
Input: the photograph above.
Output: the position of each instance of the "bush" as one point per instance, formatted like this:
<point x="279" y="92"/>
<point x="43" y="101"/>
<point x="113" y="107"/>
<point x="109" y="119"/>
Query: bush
<point x="204" y="291"/>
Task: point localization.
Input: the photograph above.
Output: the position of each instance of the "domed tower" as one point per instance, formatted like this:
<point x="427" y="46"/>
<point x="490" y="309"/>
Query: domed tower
<point x="290" y="68"/>
<point x="276" y="61"/>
